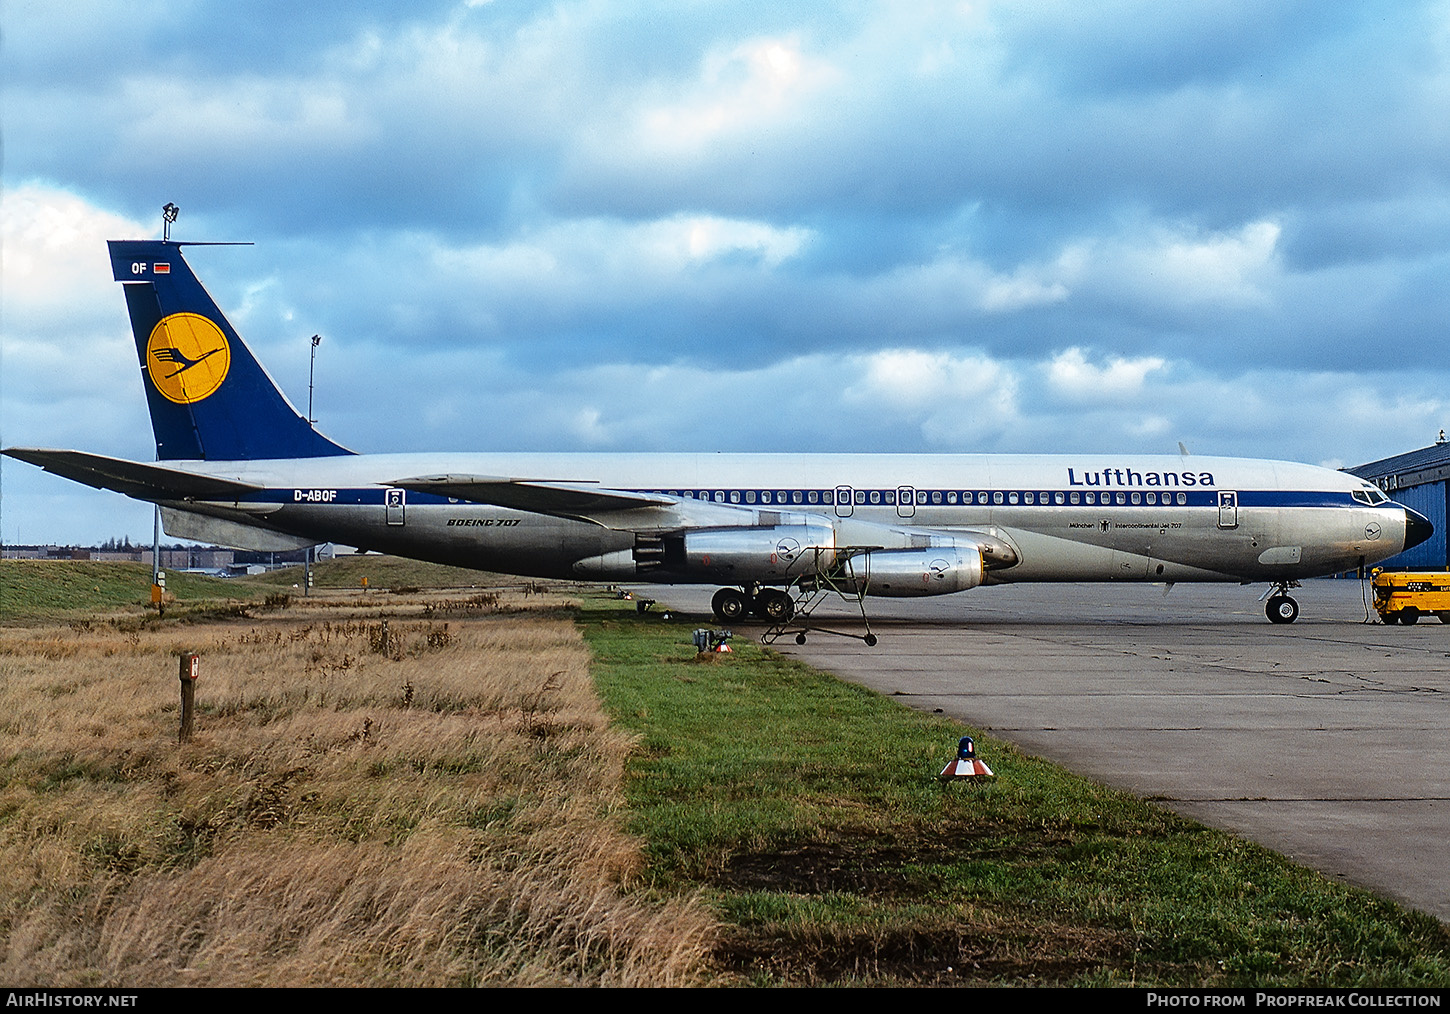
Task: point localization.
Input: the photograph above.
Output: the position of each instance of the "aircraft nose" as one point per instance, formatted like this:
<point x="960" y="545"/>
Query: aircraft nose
<point x="1417" y="528"/>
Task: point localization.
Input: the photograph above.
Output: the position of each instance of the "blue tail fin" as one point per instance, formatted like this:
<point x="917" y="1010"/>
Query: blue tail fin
<point x="209" y="397"/>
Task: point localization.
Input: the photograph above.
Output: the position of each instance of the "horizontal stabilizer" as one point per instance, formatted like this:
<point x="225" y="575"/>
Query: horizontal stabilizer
<point x="133" y="478"/>
<point x="233" y="534"/>
<point x="559" y="499"/>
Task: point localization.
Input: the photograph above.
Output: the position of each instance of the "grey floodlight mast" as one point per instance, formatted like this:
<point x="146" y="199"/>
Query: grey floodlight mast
<point x="311" y="370"/>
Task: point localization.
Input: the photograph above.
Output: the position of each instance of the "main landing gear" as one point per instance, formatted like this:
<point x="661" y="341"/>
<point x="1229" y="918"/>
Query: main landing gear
<point x="1281" y="608"/>
<point x="788" y="611"/>
<point x="770" y="604"/>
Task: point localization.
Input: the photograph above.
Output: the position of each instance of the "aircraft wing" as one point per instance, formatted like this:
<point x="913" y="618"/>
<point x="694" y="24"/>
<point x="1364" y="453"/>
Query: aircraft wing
<point x="137" y="479"/>
<point x="562" y="499"/>
<point x="618" y="509"/>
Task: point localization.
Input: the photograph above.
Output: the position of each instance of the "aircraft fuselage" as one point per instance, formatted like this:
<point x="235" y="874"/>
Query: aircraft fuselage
<point x="1069" y="517"/>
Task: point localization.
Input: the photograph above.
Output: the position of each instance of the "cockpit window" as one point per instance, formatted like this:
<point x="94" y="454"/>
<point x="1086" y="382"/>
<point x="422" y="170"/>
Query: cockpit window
<point x="1369" y="496"/>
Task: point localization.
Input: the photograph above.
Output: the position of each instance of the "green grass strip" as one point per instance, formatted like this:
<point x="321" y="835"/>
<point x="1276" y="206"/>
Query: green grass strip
<point x="34" y="590"/>
<point x="806" y="810"/>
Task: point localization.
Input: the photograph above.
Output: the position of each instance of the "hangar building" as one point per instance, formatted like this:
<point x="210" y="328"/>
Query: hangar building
<point x="1421" y="481"/>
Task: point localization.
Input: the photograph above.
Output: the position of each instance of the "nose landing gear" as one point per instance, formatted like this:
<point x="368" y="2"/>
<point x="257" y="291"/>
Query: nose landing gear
<point x="1281" y="608"/>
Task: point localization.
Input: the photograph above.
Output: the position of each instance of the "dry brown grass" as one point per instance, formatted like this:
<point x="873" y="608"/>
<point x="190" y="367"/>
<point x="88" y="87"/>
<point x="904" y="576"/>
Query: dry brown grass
<point x="437" y="806"/>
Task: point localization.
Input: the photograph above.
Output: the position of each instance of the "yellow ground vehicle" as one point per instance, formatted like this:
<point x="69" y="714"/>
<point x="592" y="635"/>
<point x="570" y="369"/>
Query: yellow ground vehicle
<point x="1403" y="596"/>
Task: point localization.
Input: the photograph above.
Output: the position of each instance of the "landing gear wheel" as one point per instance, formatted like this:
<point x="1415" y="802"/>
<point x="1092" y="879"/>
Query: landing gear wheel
<point x="1282" y="609"/>
<point x="730" y="604"/>
<point x="774" y="605"/>
<point x="1409" y="616"/>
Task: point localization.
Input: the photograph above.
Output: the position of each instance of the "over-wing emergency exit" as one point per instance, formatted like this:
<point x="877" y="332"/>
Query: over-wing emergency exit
<point x="237" y="465"/>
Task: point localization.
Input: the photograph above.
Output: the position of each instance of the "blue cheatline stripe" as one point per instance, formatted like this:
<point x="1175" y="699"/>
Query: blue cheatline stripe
<point x="927" y="498"/>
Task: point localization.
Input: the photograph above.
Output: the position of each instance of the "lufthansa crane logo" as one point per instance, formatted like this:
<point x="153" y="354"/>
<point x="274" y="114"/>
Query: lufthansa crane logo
<point x="187" y="357"/>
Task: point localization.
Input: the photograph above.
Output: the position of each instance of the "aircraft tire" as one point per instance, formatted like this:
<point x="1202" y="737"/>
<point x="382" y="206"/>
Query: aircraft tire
<point x="774" y="605"/>
<point x="1281" y="609"/>
<point x="730" y="604"/>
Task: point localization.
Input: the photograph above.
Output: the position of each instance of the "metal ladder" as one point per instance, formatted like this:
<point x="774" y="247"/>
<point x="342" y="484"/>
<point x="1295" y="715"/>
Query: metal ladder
<point x="839" y="580"/>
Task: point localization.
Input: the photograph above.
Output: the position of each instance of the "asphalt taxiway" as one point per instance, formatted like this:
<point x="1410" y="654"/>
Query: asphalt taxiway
<point x="1327" y="740"/>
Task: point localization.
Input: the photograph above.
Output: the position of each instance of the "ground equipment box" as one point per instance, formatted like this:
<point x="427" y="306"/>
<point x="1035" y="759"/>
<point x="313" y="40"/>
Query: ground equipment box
<point x="1403" y="596"/>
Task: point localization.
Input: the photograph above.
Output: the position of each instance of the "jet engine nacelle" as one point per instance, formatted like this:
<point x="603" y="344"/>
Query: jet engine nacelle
<point x="778" y="554"/>
<point x="774" y="555"/>
<point x="909" y="573"/>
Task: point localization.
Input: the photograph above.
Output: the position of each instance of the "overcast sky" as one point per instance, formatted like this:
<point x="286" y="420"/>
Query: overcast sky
<point x="986" y="226"/>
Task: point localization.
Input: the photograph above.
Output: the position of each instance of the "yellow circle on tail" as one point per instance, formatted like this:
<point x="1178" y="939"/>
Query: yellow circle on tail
<point x="187" y="357"/>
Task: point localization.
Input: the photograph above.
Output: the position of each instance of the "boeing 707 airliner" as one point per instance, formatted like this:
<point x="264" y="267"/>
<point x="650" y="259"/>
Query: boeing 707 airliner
<point x="238" y="466"/>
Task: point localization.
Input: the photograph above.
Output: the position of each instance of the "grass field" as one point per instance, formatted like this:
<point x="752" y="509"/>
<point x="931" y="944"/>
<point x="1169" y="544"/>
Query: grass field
<point x="807" y="812"/>
<point x="32" y="590"/>
<point x="429" y="796"/>
<point x="382" y="573"/>
<point x="37" y="590"/>
<point x="444" y="801"/>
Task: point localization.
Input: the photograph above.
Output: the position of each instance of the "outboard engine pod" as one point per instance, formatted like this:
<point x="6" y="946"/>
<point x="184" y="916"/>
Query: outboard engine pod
<point x="910" y="573"/>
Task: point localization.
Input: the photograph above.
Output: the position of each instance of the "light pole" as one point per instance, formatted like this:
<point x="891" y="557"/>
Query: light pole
<point x="311" y="370"/>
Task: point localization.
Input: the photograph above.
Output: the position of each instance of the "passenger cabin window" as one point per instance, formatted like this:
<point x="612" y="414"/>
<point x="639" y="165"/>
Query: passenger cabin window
<point x="1058" y="499"/>
<point x="1075" y="497"/>
<point x="1182" y="499"/>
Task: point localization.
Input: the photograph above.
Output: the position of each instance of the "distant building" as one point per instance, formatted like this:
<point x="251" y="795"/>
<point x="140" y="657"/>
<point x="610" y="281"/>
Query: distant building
<point x="1421" y="481"/>
<point x="175" y="557"/>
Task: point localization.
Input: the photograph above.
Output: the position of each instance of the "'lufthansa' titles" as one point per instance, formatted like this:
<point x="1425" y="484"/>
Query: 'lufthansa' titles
<point x="1126" y="477"/>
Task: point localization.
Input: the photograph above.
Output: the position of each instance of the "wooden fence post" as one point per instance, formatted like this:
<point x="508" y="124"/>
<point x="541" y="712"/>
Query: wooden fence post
<point x="190" y="666"/>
